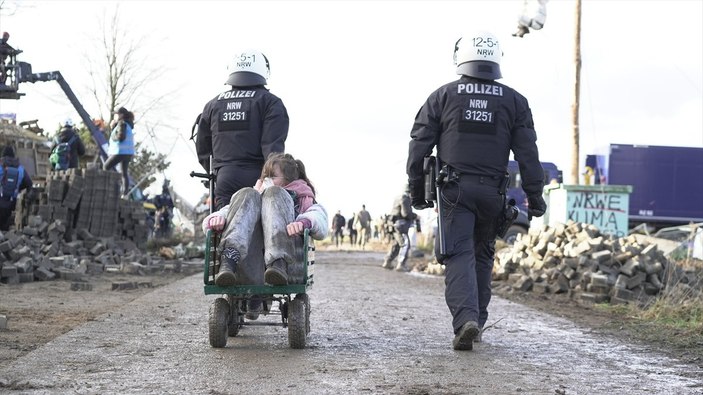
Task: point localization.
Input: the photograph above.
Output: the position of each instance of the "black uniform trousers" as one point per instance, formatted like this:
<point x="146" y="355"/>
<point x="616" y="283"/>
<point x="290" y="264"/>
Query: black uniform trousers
<point x="470" y="209"/>
<point x="231" y="178"/>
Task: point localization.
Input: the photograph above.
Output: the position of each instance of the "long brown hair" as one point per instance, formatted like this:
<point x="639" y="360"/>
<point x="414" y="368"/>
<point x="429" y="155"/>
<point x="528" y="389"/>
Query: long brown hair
<point x="127" y="116"/>
<point x="292" y="169"/>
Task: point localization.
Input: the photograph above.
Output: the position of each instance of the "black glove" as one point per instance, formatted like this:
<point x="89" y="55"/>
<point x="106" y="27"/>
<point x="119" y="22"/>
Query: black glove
<point x="536" y="206"/>
<point x="417" y="198"/>
<point x="420" y="203"/>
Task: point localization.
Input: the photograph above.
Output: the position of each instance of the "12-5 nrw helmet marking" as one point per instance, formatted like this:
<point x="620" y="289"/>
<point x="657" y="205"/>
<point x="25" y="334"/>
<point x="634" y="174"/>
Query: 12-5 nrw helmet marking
<point x="478" y="55"/>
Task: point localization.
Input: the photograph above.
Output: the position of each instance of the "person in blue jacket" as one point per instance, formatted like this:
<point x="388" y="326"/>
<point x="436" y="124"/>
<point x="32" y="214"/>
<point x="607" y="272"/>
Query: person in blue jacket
<point x="121" y="148"/>
<point x="13" y="179"/>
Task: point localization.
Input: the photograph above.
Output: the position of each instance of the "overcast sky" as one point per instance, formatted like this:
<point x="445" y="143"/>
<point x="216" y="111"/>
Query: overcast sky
<point x="353" y="74"/>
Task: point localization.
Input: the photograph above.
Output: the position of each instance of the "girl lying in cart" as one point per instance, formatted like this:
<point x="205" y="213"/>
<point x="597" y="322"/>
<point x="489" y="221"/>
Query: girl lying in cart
<point x="262" y="227"/>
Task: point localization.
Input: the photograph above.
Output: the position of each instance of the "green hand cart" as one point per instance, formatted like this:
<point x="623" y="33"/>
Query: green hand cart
<point x="227" y="313"/>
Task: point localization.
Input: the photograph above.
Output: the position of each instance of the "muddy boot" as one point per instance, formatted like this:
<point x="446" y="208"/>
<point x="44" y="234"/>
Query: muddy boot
<point x="276" y="273"/>
<point x="230" y="258"/>
<point x="387" y="265"/>
<point x="253" y="308"/>
<point x="464" y="339"/>
<point x="477" y="339"/>
<point x="402" y="268"/>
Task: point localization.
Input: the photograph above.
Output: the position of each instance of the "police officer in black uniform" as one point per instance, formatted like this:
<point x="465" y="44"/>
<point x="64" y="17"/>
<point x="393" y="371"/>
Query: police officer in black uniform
<point x="241" y="127"/>
<point x="475" y="122"/>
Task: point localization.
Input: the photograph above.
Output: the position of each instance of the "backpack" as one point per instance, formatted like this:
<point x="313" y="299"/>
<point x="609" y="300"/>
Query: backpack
<point x="10" y="181"/>
<point x="61" y="155"/>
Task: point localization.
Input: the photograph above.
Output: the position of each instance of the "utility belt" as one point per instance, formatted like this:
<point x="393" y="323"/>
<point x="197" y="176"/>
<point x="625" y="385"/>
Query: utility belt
<point x="493" y="181"/>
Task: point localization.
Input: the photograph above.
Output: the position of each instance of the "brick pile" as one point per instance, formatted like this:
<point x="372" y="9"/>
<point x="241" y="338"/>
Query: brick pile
<point x="89" y="199"/>
<point x="577" y="258"/>
<point x="40" y="252"/>
<point x="77" y="226"/>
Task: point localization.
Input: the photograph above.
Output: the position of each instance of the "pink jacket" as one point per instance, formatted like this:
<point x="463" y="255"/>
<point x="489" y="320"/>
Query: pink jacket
<point x="304" y="197"/>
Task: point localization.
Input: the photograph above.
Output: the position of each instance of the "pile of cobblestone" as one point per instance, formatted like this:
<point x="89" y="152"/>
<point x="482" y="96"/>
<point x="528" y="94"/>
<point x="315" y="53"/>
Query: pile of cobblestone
<point x="40" y="252"/>
<point x="577" y="258"/>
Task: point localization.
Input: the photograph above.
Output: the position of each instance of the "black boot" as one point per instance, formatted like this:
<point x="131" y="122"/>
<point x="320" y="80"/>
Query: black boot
<point x="464" y="339"/>
<point x="228" y="265"/>
<point x="276" y="273"/>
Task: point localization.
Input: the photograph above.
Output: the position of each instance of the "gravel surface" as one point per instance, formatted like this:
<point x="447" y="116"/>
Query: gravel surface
<point x="373" y="331"/>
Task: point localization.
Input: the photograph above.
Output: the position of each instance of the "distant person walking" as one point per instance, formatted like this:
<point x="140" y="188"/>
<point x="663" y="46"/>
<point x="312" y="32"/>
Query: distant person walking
<point x="403" y="218"/>
<point x="363" y="226"/>
<point x="338" y="224"/>
<point x="352" y="230"/>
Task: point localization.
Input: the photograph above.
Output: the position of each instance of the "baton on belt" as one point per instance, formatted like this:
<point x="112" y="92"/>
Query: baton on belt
<point x="433" y="185"/>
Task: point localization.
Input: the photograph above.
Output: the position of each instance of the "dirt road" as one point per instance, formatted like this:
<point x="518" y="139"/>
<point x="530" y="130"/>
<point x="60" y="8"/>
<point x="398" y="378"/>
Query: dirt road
<point x="373" y="331"/>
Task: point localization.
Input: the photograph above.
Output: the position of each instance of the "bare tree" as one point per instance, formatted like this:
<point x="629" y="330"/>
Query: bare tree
<point x="121" y="77"/>
<point x="119" y="73"/>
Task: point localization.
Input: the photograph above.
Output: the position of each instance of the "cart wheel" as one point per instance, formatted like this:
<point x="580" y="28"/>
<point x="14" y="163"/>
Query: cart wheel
<point x="219" y="316"/>
<point x="306" y="299"/>
<point x="296" y="323"/>
<point x="236" y="317"/>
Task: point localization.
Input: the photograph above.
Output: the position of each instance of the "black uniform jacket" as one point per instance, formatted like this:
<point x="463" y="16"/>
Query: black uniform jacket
<point x="475" y="124"/>
<point x="241" y="126"/>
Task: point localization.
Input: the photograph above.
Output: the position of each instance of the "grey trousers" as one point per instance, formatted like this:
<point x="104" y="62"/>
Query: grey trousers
<point x="256" y="227"/>
<point x="400" y="246"/>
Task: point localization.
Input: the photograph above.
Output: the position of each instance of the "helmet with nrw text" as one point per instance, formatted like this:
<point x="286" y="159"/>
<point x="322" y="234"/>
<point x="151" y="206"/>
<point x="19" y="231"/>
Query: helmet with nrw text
<point x="478" y="55"/>
<point x="249" y="68"/>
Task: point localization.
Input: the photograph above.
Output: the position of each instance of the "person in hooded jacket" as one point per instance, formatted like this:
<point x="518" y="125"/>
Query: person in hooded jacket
<point x="68" y="134"/>
<point x="14" y="179"/>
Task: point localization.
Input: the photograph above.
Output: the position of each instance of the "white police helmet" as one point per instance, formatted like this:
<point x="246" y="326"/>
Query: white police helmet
<point x="249" y="68"/>
<point x="68" y="122"/>
<point x="478" y="55"/>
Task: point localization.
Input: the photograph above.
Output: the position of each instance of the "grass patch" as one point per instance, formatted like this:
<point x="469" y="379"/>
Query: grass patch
<point x="674" y="319"/>
<point x="676" y="329"/>
<point x="680" y="315"/>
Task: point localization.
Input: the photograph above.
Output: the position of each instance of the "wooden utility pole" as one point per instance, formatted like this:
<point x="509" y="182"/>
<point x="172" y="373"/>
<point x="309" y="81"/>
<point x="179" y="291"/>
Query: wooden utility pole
<point x="577" y="93"/>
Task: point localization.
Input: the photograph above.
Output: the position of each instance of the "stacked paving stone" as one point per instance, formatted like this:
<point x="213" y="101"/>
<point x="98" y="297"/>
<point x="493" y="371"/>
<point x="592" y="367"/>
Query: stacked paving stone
<point x="40" y="252"/>
<point x="79" y="226"/>
<point x="89" y="200"/>
<point x="131" y="222"/>
<point x="576" y="257"/>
